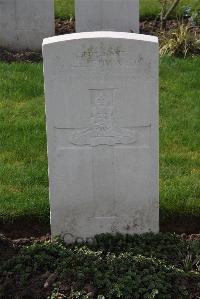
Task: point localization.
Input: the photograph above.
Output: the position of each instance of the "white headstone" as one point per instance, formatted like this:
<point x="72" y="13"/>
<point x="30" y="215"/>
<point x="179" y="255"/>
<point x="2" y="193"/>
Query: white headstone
<point x="116" y="15"/>
<point x="101" y="93"/>
<point x="25" y="23"/>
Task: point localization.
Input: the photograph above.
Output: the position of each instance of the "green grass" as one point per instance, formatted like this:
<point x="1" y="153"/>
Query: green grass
<point x="23" y="160"/>
<point x="180" y="136"/>
<point x="23" y="171"/>
<point x="151" y="8"/>
<point x="64" y="8"/>
<point x="148" y="8"/>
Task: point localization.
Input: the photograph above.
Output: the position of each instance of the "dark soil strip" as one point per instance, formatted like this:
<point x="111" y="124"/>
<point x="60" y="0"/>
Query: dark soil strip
<point x="26" y="228"/>
<point x="68" y="26"/>
<point x="64" y="27"/>
<point x="181" y="224"/>
<point x="19" y="56"/>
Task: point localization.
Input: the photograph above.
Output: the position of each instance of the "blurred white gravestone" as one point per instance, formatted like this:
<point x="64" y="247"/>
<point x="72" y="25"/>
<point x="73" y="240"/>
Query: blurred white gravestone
<point x="101" y="93"/>
<point x="116" y="15"/>
<point x="25" y="23"/>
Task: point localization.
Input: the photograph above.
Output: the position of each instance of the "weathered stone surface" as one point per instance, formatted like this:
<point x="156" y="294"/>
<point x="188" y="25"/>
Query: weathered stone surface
<point x="102" y="126"/>
<point x="116" y="15"/>
<point x="24" y="23"/>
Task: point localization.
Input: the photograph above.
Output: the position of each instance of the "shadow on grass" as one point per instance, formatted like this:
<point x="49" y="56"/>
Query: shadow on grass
<point x="24" y="227"/>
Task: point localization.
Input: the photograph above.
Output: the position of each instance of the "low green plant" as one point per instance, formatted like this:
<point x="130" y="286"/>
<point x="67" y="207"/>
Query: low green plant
<point x="56" y="294"/>
<point x="139" y="267"/>
<point x="181" y="42"/>
<point x="192" y="14"/>
<point x="191" y="262"/>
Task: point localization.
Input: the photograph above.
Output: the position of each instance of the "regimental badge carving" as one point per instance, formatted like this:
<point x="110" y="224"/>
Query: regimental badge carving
<point x="103" y="130"/>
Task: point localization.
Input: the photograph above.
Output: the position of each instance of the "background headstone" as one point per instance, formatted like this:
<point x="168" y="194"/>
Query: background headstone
<point x="113" y="15"/>
<point x="25" y="23"/>
<point x="101" y="93"/>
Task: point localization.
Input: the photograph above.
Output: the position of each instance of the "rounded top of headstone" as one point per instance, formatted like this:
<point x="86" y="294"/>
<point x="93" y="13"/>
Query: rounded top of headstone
<point x="100" y="34"/>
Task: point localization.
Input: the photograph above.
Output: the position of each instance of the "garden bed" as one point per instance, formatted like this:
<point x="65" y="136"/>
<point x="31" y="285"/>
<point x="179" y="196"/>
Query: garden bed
<point x="68" y="26"/>
<point x="147" y="266"/>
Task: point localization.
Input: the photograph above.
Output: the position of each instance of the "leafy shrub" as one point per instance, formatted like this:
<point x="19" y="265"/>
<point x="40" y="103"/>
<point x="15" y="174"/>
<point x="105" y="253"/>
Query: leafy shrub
<point x="147" y="266"/>
<point x="180" y="42"/>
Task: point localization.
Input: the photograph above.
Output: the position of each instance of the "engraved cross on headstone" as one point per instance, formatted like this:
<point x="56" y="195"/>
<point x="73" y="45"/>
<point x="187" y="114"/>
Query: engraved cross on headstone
<point x="103" y="135"/>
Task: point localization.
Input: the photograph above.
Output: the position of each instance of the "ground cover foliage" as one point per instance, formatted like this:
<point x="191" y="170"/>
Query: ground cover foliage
<point x="146" y="266"/>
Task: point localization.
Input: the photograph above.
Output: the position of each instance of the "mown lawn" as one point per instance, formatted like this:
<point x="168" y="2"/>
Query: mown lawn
<point x="179" y="136"/>
<point x="23" y="159"/>
<point x="148" y="8"/>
